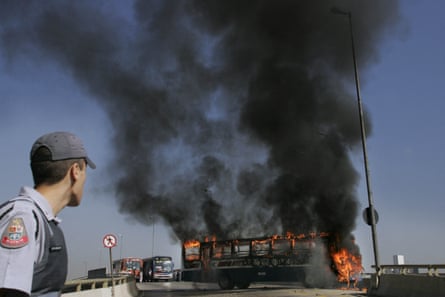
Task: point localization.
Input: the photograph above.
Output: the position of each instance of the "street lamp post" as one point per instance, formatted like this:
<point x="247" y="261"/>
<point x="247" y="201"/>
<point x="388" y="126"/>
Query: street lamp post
<point x="100" y="256"/>
<point x="371" y="211"/>
<point x="153" y="238"/>
<point x="121" y="244"/>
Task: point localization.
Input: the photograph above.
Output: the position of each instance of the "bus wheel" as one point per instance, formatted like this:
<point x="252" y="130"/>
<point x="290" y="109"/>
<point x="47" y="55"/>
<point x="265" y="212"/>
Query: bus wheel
<point x="243" y="285"/>
<point x="225" y="282"/>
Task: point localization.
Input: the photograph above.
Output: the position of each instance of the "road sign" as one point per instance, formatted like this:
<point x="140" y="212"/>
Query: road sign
<point x="109" y="241"/>
<point x="367" y="216"/>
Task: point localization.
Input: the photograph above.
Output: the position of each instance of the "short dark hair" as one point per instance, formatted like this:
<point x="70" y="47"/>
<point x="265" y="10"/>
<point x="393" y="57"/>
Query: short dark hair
<point x="50" y="172"/>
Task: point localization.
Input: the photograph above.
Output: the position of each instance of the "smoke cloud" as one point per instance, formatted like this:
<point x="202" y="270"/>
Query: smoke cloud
<point x="231" y="118"/>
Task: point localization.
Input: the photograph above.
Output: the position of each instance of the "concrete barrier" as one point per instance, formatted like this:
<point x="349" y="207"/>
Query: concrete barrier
<point x="398" y="282"/>
<point x="105" y="287"/>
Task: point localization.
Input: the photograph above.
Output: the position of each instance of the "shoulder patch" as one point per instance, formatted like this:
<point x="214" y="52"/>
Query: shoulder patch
<point x="15" y="235"/>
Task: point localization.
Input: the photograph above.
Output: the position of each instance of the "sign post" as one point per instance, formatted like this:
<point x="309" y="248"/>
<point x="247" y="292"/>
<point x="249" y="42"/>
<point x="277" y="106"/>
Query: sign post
<point x="109" y="242"/>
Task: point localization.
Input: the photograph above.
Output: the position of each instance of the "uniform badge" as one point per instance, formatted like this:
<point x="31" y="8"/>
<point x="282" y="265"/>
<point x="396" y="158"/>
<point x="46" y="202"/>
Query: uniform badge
<point x="15" y="235"/>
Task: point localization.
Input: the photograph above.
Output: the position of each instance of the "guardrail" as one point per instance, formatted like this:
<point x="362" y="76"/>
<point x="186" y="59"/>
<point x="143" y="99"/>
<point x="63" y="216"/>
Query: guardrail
<point x="74" y="286"/>
<point x="435" y="270"/>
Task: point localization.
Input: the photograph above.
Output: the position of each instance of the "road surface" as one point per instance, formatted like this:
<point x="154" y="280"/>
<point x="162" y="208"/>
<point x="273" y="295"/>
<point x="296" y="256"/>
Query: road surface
<point x="190" y="289"/>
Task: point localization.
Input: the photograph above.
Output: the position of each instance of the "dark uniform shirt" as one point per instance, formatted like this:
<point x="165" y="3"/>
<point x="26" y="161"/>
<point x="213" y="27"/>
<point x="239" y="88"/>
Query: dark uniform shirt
<point x="33" y="254"/>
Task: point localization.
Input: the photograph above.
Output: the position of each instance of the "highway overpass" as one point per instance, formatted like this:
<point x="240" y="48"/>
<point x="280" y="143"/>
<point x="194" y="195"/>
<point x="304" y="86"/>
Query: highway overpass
<point x="393" y="281"/>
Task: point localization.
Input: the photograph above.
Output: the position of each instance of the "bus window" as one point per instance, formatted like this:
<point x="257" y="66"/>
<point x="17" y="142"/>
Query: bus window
<point x="241" y="248"/>
<point x="261" y="247"/>
<point x="222" y="250"/>
<point x="281" y="246"/>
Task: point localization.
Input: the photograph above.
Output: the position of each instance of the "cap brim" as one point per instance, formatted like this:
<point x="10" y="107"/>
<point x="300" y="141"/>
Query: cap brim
<point x="90" y="163"/>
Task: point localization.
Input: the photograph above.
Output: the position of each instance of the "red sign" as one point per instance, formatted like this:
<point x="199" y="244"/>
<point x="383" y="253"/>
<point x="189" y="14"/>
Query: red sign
<point x="109" y="241"/>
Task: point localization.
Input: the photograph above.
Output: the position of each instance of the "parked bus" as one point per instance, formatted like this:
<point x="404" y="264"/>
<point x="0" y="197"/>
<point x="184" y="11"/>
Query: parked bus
<point x="129" y="266"/>
<point x="158" y="268"/>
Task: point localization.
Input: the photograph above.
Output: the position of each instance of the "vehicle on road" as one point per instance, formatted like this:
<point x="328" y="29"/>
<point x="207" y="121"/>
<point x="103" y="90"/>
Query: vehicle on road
<point x="129" y="266"/>
<point x="158" y="268"/>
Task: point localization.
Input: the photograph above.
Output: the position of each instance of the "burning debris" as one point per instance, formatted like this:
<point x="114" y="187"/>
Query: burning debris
<point x="230" y="118"/>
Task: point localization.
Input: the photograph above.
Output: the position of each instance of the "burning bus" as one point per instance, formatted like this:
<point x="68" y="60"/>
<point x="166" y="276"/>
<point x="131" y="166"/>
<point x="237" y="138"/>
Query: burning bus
<point x="240" y="262"/>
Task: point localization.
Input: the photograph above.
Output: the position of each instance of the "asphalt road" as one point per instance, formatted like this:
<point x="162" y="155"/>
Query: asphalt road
<point x="190" y="289"/>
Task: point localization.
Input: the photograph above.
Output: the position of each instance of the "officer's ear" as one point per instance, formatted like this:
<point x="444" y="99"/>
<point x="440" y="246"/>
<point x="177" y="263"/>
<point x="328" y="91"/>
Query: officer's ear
<point x="74" y="172"/>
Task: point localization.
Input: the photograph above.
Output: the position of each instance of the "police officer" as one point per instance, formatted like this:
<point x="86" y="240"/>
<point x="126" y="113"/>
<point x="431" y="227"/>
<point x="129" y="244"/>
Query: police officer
<point x="33" y="255"/>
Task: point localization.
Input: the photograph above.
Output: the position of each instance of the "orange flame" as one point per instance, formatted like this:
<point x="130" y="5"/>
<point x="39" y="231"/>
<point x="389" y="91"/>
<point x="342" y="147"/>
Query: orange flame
<point x="192" y="243"/>
<point x="349" y="266"/>
<point x="191" y="250"/>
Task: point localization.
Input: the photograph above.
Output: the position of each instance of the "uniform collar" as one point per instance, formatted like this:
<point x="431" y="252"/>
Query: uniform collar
<point x="41" y="202"/>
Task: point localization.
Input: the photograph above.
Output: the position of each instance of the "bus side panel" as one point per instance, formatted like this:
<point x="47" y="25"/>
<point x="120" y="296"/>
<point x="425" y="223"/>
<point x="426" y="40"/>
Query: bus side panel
<point x="192" y="275"/>
<point x="248" y="274"/>
<point x="198" y="275"/>
<point x="266" y="274"/>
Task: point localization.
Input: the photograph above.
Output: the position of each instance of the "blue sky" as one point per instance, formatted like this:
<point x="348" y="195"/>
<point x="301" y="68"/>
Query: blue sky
<point x="403" y="92"/>
<point x="405" y="99"/>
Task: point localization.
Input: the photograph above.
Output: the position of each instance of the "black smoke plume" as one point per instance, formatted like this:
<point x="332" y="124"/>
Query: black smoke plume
<point x="231" y="118"/>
